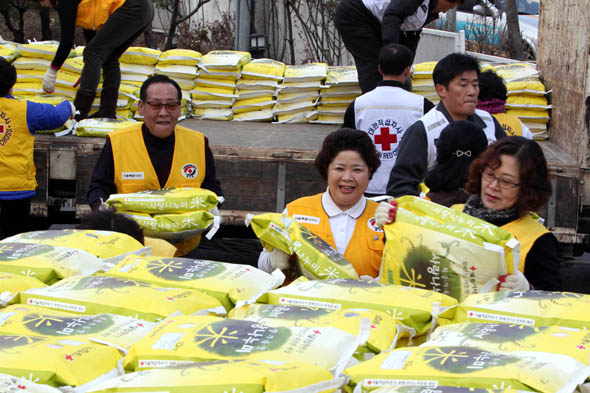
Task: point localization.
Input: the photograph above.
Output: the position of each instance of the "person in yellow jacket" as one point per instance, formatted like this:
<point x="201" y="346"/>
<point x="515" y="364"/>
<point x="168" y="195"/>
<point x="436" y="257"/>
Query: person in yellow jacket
<point x="507" y="183"/>
<point x="19" y="119"/>
<point x="342" y="216"/>
<point x="110" y="27"/>
<point x="492" y="99"/>
<point x="155" y="154"/>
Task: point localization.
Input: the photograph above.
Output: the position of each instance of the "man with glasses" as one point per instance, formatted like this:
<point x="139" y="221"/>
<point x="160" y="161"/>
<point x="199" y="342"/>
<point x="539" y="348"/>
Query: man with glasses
<point x="154" y="154"/>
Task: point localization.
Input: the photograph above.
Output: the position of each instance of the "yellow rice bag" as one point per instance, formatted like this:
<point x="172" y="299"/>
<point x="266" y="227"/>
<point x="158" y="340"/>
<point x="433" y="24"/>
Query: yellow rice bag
<point x="336" y="91"/>
<point x="306" y="72"/>
<point x="29" y="76"/>
<point x="328" y="119"/>
<point x="175" y="227"/>
<point x="12" y="283"/>
<point x="103" y="294"/>
<point x="41" y="49"/>
<point x="67" y="79"/>
<point x="383" y="332"/>
<point x="140" y="55"/>
<point x="530" y="85"/>
<point x="103" y="244"/>
<point x="180" y="57"/>
<point x="423" y="70"/>
<point x="264" y="69"/>
<point x="295" y="116"/>
<point x="253" y="104"/>
<point x="472" y="367"/>
<point x="109" y="329"/>
<point x="530" y="308"/>
<point x="171" y="200"/>
<point x="27" y="89"/>
<point x="508" y="338"/>
<point x="29" y="63"/>
<point x="213" y="114"/>
<point x="342" y="76"/>
<point x="315" y="258"/>
<point x="201" y="92"/>
<point x="527" y="102"/>
<point x="177" y="71"/>
<point x="218" y="83"/>
<point x="434" y="247"/>
<point x="227" y="282"/>
<point x="227" y="377"/>
<point x="514" y="71"/>
<point x="539" y="116"/>
<point x="225" y="60"/>
<point x="258" y="115"/>
<point x="9" y="51"/>
<point x="47" y="99"/>
<point x="417" y="309"/>
<point x="46" y="263"/>
<point x="189" y="339"/>
<point x="74" y="65"/>
<point x="57" y="362"/>
<point x="11" y="384"/>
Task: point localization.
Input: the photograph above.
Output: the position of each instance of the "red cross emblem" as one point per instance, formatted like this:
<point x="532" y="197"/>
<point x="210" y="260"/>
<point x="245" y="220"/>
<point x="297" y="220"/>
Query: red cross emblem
<point x="1" y="129"/>
<point x="70" y="358"/>
<point x="23" y="387"/>
<point x="581" y="347"/>
<point x="317" y="332"/>
<point x="385" y="139"/>
<point x="473" y="268"/>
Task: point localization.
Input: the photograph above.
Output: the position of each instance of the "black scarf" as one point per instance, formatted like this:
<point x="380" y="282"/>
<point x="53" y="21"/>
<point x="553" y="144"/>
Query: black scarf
<point x="475" y="207"/>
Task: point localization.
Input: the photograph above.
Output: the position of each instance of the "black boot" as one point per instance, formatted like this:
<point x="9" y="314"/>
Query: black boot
<point x="108" y="104"/>
<point x="83" y="103"/>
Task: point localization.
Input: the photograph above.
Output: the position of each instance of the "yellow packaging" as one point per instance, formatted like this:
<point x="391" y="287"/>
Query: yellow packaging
<point x="539" y="116"/>
<point x="227" y="282"/>
<point x="103" y="244"/>
<point x="527" y="102"/>
<point x="189" y="339"/>
<point x="316" y="259"/>
<point x="213" y="114"/>
<point x="10" y="384"/>
<point x="425" y="388"/>
<point x="29" y="76"/>
<point x="32" y="88"/>
<point x="180" y="56"/>
<point x="225" y="59"/>
<point x="9" y="51"/>
<point x="342" y="76"/>
<point x="295" y="117"/>
<point x="74" y="65"/>
<point x="171" y="200"/>
<point x="306" y="72"/>
<point x="258" y="115"/>
<point x="12" y="283"/>
<point x="509" y="338"/>
<point x="344" y="90"/>
<point x="101" y="127"/>
<point x="140" y="55"/>
<point x="177" y="71"/>
<point x="29" y="63"/>
<point x="383" y="332"/>
<point x="530" y="308"/>
<point x="515" y="71"/>
<point x="103" y="294"/>
<point x="243" y="376"/>
<point x="434" y="247"/>
<point x="41" y="49"/>
<point x="109" y="329"/>
<point x="264" y="69"/>
<point x="329" y="119"/>
<point x="529" y="85"/>
<point x="47" y="99"/>
<point x="200" y="93"/>
<point x="253" y="104"/>
<point x="417" y="309"/>
<point x="215" y="83"/>
<point x="470" y="367"/>
<point x="57" y="362"/>
<point x="175" y="227"/>
<point x="46" y="263"/>
<point x="423" y="70"/>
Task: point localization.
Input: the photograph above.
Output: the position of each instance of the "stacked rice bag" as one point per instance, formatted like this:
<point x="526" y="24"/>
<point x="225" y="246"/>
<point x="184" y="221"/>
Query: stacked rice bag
<point x="297" y="96"/>
<point x="341" y="88"/>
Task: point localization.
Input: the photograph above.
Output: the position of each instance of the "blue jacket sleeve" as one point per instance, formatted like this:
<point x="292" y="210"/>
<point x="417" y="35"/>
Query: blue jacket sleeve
<point x="47" y="116"/>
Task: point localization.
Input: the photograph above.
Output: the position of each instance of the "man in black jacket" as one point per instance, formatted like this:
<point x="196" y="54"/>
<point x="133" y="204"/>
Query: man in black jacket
<point x="367" y="25"/>
<point x="456" y="80"/>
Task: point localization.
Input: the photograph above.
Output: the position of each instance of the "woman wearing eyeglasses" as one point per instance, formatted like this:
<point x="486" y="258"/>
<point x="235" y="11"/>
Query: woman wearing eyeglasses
<point x="507" y="183"/>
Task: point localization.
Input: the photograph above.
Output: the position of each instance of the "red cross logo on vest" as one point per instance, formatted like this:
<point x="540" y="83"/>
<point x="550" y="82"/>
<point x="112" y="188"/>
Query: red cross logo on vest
<point x="1" y="129"/>
<point x="385" y="139"/>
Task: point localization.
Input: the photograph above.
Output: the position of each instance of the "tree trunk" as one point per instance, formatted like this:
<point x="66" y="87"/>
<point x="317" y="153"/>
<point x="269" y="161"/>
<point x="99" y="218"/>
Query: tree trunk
<point x="290" y="31"/>
<point x="173" y="24"/>
<point x="514" y="38"/>
<point x="45" y="23"/>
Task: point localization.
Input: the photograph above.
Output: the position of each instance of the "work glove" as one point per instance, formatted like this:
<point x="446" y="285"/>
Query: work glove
<point x="49" y="80"/>
<point x="385" y="213"/>
<point x="514" y="282"/>
<point x="279" y="260"/>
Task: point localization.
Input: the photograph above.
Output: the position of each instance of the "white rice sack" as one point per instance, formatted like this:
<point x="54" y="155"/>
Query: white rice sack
<point x="342" y="76"/>
<point x="213" y="114"/>
<point x="101" y="127"/>
<point x="30" y="63"/>
<point x="180" y="57"/>
<point x="177" y="70"/>
<point x="225" y="60"/>
<point x="257" y="84"/>
<point x="253" y="104"/>
<point x="212" y="104"/>
<point x="141" y="69"/>
<point x="40" y="49"/>
<point x="306" y="72"/>
<point x="29" y="76"/>
<point x="264" y="69"/>
<point x="258" y="115"/>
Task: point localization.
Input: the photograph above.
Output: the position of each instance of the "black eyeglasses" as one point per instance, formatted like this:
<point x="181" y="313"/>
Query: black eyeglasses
<point x="157" y="106"/>
<point x="504" y="183"/>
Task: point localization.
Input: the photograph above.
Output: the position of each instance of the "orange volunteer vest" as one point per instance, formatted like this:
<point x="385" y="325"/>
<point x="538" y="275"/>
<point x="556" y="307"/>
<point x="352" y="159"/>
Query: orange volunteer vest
<point x="17" y="172"/>
<point x="510" y="123"/>
<point x="134" y="170"/>
<point x="365" y="249"/>
<point x="93" y="14"/>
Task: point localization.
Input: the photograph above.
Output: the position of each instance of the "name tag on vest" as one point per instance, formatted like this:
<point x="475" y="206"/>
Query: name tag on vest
<point x="132" y="175"/>
<point x="307" y="219"/>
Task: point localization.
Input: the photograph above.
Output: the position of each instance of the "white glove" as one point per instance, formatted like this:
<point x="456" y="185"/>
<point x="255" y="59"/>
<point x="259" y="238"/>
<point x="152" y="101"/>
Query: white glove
<point x="385" y="213"/>
<point x="515" y="282"/>
<point x="49" y="80"/>
<point x="279" y="260"/>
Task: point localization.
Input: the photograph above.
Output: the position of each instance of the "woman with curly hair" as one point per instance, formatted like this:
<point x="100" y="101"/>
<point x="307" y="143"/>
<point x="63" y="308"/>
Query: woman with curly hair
<point x="342" y="216"/>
